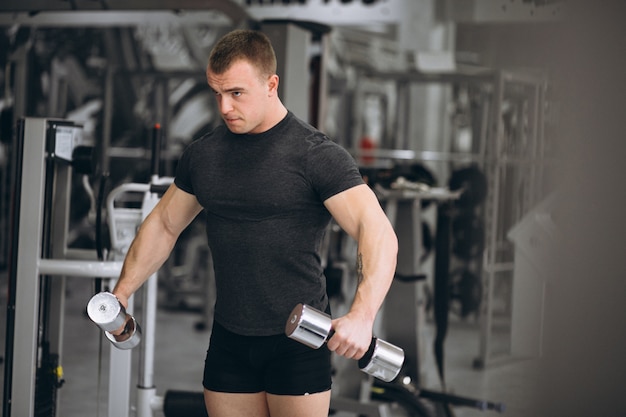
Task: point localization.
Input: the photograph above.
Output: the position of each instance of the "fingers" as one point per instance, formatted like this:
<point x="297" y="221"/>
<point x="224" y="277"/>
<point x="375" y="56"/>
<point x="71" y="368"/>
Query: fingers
<point x="123" y="332"/>
<point x="348" y="341"/>
<point x="350" y="352"/>
<point x="346" y="348"/>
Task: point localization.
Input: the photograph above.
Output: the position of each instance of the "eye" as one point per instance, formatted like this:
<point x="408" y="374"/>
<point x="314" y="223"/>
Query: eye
<point x="236" y="93"/>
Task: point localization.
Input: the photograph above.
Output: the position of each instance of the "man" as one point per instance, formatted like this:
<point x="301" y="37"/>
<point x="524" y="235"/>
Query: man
<point x="269" y="184"/>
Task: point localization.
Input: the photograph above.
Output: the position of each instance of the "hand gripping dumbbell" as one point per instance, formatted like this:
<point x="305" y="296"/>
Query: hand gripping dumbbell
<point x="109" y="314"/>
<point x="313" y="328"/>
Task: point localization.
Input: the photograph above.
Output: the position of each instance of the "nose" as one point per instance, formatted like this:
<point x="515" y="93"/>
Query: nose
<point x="224" y="104"/>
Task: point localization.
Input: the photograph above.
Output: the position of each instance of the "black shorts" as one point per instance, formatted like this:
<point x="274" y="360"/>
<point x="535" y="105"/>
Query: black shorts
<point x="274" y="364"/>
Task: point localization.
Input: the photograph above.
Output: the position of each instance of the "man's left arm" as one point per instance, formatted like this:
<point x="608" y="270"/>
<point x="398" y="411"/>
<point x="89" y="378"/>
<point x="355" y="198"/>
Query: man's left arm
<point x="358" y="212"/>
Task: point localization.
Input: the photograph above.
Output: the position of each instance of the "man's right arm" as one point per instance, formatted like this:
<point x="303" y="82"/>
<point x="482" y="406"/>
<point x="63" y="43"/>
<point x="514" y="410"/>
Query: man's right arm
<point x="155" y="239"/>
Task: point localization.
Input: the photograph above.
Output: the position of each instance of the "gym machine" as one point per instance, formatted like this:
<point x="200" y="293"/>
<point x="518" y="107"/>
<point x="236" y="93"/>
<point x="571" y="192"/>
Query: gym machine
<point x="44" y="157"/>
<point x="47" y="152"/>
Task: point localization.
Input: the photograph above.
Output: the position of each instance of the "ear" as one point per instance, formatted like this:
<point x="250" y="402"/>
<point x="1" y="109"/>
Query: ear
<point x="272" y="85"/>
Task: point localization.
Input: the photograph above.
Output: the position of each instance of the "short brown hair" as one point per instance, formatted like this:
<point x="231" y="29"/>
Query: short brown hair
<point x="250" y="45"/>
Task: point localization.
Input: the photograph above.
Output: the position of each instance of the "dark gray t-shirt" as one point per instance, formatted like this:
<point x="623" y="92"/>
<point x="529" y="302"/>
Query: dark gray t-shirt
<point x="263" y="195"/>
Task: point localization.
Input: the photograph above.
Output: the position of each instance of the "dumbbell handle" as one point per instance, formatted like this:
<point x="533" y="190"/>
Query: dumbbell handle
<point x="313" y="328"/>
<point x="106" y="311"/>
<point x="367" y="357"/>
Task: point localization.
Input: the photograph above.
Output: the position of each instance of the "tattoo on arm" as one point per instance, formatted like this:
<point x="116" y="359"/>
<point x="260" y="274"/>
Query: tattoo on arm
<point x="359" y="268"/>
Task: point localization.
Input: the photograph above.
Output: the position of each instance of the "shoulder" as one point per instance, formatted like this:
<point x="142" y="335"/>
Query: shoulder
<point x="318" y="147"/>
<point x="298" y="127"/>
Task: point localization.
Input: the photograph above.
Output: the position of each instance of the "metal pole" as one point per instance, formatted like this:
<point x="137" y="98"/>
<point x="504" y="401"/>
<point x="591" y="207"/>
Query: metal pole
<point x="146" y="389"/>
<point x="87" y="269"/>
<point x="26" y="301"/>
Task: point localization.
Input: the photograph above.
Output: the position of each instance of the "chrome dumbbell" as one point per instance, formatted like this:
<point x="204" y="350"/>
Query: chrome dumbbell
<point x="109" y="314"/>
<point x="313" y="327"/>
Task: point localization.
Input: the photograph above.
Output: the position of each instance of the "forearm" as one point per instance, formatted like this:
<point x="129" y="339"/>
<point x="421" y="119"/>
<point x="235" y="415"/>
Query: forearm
<point x="149" y="250"/>
<point x="358" y="212"/>
<point x="376" y="264"/>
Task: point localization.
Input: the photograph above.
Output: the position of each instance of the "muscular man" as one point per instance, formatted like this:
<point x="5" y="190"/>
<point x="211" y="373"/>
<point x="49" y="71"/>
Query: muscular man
<point x="269" y="184"/>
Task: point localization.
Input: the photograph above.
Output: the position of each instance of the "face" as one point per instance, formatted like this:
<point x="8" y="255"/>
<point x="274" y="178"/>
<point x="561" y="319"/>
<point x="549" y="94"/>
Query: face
<point x="243" y="98"/>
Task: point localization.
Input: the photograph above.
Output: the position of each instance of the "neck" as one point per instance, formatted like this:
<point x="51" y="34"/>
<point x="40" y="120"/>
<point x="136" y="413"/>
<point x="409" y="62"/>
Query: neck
<point x="279" y="113"/>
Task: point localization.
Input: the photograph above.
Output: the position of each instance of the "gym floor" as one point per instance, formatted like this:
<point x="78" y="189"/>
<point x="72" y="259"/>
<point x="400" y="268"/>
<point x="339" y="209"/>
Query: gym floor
<point x="180" y="350"/>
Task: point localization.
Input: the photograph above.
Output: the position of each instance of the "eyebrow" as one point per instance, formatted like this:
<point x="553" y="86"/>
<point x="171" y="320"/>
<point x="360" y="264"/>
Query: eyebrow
<point x="229" y="90"/>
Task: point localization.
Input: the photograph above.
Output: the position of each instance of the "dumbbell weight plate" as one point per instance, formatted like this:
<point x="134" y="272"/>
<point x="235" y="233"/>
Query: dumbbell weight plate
<point x="105" y="310"/>
<point x="129" y="339"/>
<point x="383" y="360"/>
<point x="473" y="182"/>
<point x="308" y="326"/>
<point x="468" y="236"/>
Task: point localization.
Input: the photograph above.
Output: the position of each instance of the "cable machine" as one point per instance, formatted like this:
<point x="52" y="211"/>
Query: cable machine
<point x="44" y="157"/>
<point x="39" y="263"/>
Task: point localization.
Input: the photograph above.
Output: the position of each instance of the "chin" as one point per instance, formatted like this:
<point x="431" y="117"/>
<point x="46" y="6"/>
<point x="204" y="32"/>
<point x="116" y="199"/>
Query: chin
<point x="238" y="131"/>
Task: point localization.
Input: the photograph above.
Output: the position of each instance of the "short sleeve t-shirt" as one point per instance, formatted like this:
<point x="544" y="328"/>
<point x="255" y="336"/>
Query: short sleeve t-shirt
<point x="263" y="195"/>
